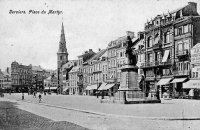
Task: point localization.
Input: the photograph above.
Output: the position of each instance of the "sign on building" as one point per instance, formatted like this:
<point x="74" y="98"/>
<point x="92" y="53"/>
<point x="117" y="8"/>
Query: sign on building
<point x="195" y="54"/>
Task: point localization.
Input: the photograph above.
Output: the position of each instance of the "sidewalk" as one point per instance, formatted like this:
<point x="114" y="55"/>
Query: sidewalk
<point x="167" y="109"/>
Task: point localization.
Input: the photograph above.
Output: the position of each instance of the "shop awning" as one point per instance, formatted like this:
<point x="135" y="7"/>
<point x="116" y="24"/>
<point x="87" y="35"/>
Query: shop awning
<point x="65" y="89"/>
<point x="106" y="87"/>
<point x="178" y="80"/>
<point x="53" y="88"/>
<point x="91" y="87"/>
<point x="164" y="81"/>
<point x="46" y="88"/>
<point x="193" y="83"/>
<point x="102" y="86"/>
<point x="166" y="54"/>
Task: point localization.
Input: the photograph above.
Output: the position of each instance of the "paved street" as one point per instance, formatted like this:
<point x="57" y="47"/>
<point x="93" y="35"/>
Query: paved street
<point x="113" y="116"/>
<point x="176" y="108"/>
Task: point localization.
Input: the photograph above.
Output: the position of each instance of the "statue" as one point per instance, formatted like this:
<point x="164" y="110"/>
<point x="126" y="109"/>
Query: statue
<point x="132" y="58"/>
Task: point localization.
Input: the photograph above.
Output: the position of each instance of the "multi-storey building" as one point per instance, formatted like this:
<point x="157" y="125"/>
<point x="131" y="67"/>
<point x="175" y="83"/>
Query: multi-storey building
<point x="21" y="77"/>
<point x="37" y="78"/>
<point x="74" y="89"/>
<point x="117" y="57"/>
<point x="168" y="40"/>
<point x="51" y="83"/>
<point x="85" y="70"/>
<point x="65" y="74"/>
<point x="96" y="74"/>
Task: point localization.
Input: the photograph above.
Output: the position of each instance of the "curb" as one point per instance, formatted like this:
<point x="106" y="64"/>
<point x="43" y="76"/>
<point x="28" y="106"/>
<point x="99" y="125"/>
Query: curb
<point x="110" y="115"/>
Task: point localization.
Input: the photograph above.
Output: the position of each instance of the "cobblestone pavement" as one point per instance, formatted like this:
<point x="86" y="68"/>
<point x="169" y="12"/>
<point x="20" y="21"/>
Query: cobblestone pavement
<point x="103" y="122"/>
<point x="12" y="118"/>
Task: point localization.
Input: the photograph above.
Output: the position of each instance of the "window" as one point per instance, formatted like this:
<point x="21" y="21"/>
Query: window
<point x="185" y="27"/>
<point x="186" y="45"/>
<point x="180" y="30"/>
<point x="149" y="42"/>
<point x="180" y="47"/>
<point x="121" y="54"/>
<point x="150" y="57"/>
<point x="60" y="57"/>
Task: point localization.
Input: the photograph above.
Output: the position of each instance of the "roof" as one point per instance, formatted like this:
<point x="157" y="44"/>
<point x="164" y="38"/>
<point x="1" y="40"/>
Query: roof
<point x="74" y="69"/>
<point x="68" y="64"/>
<point x="37" y="68"/>
<point x="99" y="54"/>
<point x="196" y="46"/>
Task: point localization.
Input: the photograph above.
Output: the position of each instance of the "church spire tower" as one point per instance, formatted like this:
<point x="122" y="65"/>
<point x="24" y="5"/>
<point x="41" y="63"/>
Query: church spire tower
<point x="62" y="54"/>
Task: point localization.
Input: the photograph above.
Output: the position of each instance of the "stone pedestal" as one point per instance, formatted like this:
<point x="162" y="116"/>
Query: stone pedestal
<point x="129" y="78"/>
<point x="129" y="91"/>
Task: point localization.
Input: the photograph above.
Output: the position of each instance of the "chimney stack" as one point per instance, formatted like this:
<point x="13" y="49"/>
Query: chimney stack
<point x="131" y="34"/>
<point x="193" y="5"/>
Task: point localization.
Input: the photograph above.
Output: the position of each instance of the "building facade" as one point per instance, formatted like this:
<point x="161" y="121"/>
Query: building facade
<point x="21" y="77"/>
<point x="168" y="40"/>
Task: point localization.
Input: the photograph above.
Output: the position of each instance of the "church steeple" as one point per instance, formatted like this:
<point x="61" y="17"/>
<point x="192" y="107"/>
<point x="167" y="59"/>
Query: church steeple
<point x="62" y="43"/>
<point x="62" y="54"/>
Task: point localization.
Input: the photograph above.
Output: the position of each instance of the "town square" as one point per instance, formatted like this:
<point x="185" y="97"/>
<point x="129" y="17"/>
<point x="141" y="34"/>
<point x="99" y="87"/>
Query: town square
<point x="100" y="65"/>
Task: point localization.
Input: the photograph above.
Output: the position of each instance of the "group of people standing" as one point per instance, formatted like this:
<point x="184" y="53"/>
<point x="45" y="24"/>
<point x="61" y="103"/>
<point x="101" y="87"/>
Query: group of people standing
<point x="34" y="96"/>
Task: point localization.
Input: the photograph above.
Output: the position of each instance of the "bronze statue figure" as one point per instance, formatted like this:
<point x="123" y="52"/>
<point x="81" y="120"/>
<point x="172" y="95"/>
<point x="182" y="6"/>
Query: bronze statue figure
<point x="132" y="58"/>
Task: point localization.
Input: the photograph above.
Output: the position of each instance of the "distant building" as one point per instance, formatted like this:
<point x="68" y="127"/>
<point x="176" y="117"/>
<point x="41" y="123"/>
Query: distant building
<point x="73" y="81"/>
<point x="65" y="74"/>
<point x="21" y="77"/>
<point x="37" y="78"/>
<point x="7" y="79"/>
<point x="50" y="83"/>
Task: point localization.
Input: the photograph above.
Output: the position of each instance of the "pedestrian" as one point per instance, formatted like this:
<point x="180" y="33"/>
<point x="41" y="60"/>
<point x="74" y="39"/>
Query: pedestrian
<point x="22" y="96"/>
<point x="191" y="93"/>
<point x="40" y="97"/>
<point x="34" y="94"/>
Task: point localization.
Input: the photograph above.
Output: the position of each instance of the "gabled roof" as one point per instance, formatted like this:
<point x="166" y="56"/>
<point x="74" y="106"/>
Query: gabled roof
<point x="74" y="69"/>
<point x="99" y="54"/>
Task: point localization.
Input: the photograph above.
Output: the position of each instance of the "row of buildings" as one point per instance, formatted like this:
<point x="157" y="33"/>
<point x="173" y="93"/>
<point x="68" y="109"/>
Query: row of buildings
<point x="24" y="78"/>
<point x="163" y="52"/>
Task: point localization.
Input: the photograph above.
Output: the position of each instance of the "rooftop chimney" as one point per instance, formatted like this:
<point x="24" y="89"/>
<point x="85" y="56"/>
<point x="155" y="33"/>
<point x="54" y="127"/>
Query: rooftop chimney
<point x="90" y="50"/>
<point x="131" y="34"/>
<point x="193" y="5"/>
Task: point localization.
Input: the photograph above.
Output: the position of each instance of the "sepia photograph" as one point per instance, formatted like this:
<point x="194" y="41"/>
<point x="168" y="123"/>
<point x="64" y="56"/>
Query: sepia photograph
<point x="100" y="65"/>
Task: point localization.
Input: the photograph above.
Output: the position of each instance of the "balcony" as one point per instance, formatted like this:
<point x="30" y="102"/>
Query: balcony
<point x="181" y="72"/>
<point x="168" y="62"/>
<point x="80" y="73"/>
<point x="157" y="46"/>
<point x="97" y="71"/>
<point x="80" y="83"/>
<point x="182" y="53"/>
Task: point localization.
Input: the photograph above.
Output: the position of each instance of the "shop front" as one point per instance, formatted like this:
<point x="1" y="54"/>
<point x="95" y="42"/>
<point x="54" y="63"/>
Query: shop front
<point x="165" y="88"/>
<point x="177" y="90"/>
<point x="192" y="88"/>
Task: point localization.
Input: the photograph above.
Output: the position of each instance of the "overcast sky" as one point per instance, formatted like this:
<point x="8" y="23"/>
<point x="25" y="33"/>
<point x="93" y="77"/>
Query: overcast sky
<point x="34" y="38"/>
